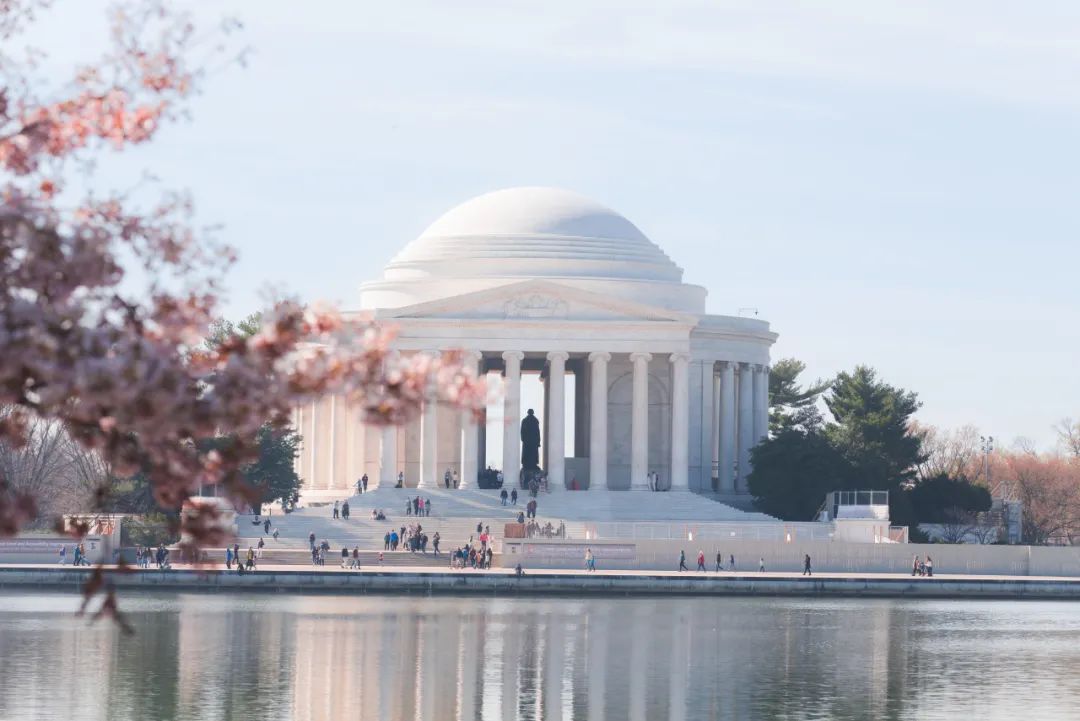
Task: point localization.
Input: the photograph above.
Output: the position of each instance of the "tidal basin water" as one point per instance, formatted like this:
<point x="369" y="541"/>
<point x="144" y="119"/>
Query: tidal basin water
<point x="245" y="656"/>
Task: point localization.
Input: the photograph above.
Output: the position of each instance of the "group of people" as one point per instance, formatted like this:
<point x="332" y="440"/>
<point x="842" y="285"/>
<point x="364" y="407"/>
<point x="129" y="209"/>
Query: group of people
<point x="144" y="556"/>
<point x="535" y="530"/>
<point x="341" y="511"/>
<point x="78" y="557"/>
<point x="471" y="556"/>
<point x="720" y="562"/>
<point x="411" y="538"/>
<point x="245" y="562"/>
<point x="922" y="568"/>
<point x="418" y="506"/>
<point x="512" y="497"/>
<point x="361" y="485"/>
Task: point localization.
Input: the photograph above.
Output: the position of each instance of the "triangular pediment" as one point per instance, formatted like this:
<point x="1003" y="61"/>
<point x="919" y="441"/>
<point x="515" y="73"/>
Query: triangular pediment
<point x="536" y="300"/>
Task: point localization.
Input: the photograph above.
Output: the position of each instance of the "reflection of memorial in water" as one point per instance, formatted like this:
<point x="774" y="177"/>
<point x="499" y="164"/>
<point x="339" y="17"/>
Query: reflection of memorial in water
<point x="393" y="658"/>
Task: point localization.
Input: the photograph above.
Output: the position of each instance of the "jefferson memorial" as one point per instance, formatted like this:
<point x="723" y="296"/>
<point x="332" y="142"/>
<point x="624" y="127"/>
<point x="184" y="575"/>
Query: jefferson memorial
<point x="544" y="281"/>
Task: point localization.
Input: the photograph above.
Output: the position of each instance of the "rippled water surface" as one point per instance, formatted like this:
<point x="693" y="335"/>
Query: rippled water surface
<point x="399" y="657"/>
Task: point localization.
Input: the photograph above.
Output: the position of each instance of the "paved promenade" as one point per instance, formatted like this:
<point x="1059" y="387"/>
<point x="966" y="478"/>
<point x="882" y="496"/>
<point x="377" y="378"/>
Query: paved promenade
<point x="442" y="579"/>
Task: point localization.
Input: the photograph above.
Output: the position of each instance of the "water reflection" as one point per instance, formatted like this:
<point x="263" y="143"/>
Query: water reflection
<point x="403" y="658"/>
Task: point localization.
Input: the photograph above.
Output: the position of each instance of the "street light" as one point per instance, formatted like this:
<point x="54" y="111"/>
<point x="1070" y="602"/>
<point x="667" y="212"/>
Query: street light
<point x="987" y="448"/>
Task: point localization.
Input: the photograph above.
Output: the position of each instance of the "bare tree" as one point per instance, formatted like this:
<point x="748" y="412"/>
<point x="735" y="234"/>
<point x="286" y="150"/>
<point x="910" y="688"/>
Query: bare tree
<point x="1069" y="436"/>
<point x="950" y="453"/>
<point x="958" y="524"/>
<point x="60" y="472"/>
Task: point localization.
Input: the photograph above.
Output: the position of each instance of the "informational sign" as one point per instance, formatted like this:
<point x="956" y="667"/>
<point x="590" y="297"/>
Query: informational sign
<point x="576" y="551"/>
<point x="48" y="545"/>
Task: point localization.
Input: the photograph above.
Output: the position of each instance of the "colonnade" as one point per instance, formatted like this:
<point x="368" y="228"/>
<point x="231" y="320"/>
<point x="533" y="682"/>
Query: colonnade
<point x="734" y="419"/>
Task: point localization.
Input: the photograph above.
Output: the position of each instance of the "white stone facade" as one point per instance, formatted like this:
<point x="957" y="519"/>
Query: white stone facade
<point x="538" y="279"/>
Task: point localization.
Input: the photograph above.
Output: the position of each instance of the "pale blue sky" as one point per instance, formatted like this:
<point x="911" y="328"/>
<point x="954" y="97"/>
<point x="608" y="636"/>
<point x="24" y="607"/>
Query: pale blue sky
<point x="890" y="183"/>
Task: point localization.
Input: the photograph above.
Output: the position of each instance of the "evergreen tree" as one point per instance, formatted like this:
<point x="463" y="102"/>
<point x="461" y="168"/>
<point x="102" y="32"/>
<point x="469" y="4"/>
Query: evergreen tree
<point x="872" y="428"/>
<point x="793" y="471"/>
<point x="791" y="405"/>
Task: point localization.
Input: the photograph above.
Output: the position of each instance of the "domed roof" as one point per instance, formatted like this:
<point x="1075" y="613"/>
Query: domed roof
<point x="532" y="232"/>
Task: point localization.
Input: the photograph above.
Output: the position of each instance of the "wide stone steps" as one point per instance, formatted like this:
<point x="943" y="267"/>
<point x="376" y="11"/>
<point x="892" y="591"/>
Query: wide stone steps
<point x="456" y="513"/>
<point x="302" y="557"/>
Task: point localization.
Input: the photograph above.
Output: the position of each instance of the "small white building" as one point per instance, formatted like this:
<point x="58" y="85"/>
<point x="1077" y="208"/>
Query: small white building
<point x="540" y="279"/>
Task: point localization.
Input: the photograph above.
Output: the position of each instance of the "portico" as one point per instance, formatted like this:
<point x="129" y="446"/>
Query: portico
<point x="542" y="280"/>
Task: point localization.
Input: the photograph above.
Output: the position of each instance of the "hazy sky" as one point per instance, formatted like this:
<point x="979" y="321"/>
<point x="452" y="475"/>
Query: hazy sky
<point x="890" y="183"/>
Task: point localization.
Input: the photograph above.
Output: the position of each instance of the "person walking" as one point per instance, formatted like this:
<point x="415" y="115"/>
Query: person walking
<point x="363" y="483"/>
<point x="408" y="507"/>
<point x="929" y="567"/>
<point x="513" y="497"/>
<point x="761" y="565"/>
<point x="731" y="562"/>
<point x="359" y="485"/>
<point x="344" y="556"/>
<point x="386" y="541"/>
<point x="503" y="496"/>
<point x="228" y="558"/>
<point x="251" y="559"/>
<point x="63" y="555"/>
<point x="427" y="506"/>
<point x="682" y="561"/>
<point x="915" y="566"/>
<point x="806" y="566"/>
<point x="311" y="540"/>
<point x="719" y="562"/>
<point x="446" y="477"/>
<point x="356" y="557"/>
<point x="266" y="526"/>
<point x="435" y="542"/>
<point x="701" y="560"/>
<point x="589" y="560"/>
<point x="345" y="510"/>
<point x="336" y="512"/>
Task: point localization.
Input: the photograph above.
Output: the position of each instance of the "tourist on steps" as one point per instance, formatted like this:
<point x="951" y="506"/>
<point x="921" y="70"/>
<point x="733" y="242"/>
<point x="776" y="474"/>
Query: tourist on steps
<point x="806" y="566"/>
<point x="929" y="567"/>
<point x="513" y="497"/>
<point x="336" y="512"/>
<point x="682" y="561"/>
<point x="344" y="511"/>
<point x="447" y="478"/>
<point x="701" y="560"/>
<point x="719" y="562"/>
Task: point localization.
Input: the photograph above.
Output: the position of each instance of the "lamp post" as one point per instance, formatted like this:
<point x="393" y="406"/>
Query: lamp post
<point x="987" y="448"/>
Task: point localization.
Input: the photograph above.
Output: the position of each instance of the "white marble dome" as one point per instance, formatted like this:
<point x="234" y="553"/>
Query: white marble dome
<point x="531" y="233"/>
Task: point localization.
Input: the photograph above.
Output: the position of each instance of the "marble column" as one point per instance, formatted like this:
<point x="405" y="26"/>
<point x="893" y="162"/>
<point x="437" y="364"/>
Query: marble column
<point x="727" y="428"/>
<point x="512" y="418"/>
<point x="680" y="422"/>
<point x="331" y="481"/>
<point x="387" y="459"/>
<point x="761" y="402"/>
<point x="312" y="482"/>
<point x="747" y="433"/>
<point x="556" y="420"/>
<point x="429" y="436"/>
<point x="470" y="432"/>
<point x="598" y="418"/>
<point x="639" y="423"/>
<point x="715" y="427"/>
